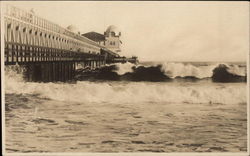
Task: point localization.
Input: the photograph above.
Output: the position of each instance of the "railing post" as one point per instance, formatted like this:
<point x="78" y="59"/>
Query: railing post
<point x="21" y="53"/>
<point x="47" y="54"/>
<point x="12" y="51"/>
<point x="42" y="54"/>
<point x="7" y="53"/>
<point x="17" y="52"/>
<point x="50" y="55"/>
<point x="29" y="53"/>
<point x="25" y="49"/>
<point x="36" y="54"/>
<point x="32" y="53"/>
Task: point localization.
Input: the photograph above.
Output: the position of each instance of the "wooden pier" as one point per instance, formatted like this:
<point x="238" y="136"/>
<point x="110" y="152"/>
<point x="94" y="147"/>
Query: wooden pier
<point x="47" y="51"/>
<point x="48" y="64"/>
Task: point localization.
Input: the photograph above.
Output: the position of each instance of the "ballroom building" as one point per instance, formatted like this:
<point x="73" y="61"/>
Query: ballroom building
<point x="110" y="39"/>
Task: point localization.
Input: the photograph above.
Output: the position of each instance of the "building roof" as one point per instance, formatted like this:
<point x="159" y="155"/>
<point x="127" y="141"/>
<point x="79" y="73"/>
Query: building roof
<point x="97" y="37"/>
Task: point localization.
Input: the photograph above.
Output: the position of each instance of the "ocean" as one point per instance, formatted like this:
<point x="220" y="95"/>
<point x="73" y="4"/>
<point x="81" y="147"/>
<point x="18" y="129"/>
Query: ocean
<point x="148" y="107"/>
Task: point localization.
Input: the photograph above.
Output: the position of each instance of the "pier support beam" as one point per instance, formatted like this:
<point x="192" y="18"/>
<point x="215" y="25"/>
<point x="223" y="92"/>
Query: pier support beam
<point x="49" y="71"/>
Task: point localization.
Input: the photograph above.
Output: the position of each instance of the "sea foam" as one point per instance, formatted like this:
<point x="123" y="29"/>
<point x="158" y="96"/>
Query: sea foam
<point x="129" y="92"/>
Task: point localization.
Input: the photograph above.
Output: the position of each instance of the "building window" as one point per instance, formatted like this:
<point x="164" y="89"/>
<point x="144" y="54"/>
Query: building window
<point x="112" y="34"/>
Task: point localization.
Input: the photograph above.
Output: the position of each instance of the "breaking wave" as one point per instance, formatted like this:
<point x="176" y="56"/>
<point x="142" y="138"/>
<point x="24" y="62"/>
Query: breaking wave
<point x="128" y="92"/>
<point x="167" y="72"/>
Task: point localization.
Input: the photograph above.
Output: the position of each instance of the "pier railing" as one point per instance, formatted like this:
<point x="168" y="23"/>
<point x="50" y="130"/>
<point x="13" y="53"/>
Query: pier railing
<point x="21" y="53"/>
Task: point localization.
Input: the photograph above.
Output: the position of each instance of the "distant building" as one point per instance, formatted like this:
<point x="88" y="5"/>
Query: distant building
<point x="110" y="39"/>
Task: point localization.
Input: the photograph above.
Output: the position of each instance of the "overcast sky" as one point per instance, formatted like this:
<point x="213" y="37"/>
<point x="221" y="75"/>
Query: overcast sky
<point x="160" y="31"/>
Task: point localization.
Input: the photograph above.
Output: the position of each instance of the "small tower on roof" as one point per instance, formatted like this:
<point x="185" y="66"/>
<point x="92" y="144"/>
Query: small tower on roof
<point x="73" y="29"/>
<point x="112" y="36"/>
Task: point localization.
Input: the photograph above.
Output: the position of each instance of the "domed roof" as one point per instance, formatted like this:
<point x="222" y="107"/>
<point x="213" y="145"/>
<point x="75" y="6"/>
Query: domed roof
<point x="73" y="28"/>
<point x="112" y="28"/>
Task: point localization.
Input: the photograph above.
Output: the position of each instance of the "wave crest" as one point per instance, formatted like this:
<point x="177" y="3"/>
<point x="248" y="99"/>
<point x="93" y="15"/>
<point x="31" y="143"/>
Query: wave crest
<point x="169" y="72"/>
<point x="123" y="92"/>
<point x="133" y="92"/>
